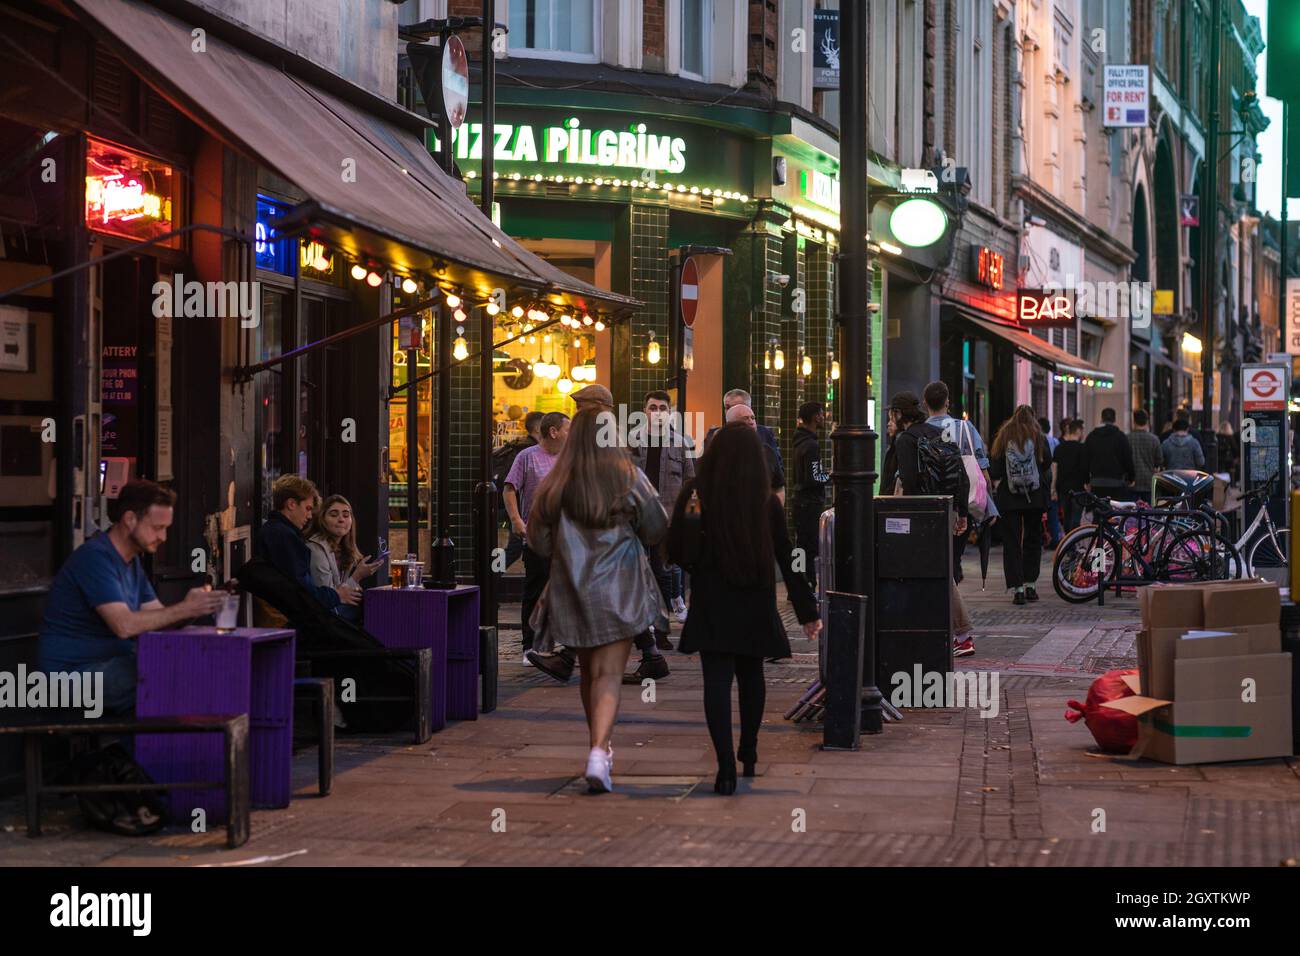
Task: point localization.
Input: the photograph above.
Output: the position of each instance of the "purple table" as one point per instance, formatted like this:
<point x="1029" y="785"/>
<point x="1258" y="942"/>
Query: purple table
<point x="201" y="671"/>
<point x="446" y="622"/>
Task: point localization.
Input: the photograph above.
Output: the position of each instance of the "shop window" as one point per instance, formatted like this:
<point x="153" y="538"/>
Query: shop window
<point x="696" y="36"/>
<point x="568" y="28"/>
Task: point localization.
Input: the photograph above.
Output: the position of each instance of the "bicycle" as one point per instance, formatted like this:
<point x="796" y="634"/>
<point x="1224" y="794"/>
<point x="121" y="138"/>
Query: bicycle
<point x="1133" y="546"/>
<point x="1263" y="543"/>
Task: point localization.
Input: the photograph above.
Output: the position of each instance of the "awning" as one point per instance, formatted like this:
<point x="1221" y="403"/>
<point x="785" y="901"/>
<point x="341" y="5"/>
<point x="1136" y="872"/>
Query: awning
<point x="1037" y="350"/>
<point x="374" y="191"/>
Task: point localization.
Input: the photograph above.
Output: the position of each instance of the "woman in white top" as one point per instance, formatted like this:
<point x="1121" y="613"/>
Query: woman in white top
<point x="332" y="541"/>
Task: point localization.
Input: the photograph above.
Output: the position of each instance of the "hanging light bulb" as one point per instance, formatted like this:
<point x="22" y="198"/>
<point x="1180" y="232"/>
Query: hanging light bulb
<point x="778" y="360"/>
<point x="600" y="326"/>
<point x="546" y="337"/>
<point x="460" y="349"/>
<point x="806" y="367"/>
<point x="492" y="308"/>
<point x="652" y="351"/>
<point x="532" y="340"/>
<point x="374" y="279"/>
<point x="453" y="300"/>
<point x="767" y="360"/>
<point x="835" y="371"/>
<point x="459" y="315"/>
<point x="409" y="286"/>
<point x="358" y="271"/>
<point x="517" y="312"/>
<point x="564" y="385"/>
<point x="586" y="320"/>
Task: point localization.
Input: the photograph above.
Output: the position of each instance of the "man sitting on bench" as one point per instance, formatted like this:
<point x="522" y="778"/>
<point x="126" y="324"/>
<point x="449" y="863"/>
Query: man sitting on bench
<point x="102" y="598"/>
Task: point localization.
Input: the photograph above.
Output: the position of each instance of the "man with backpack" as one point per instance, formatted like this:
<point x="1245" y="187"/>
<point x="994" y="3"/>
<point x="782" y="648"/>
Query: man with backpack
<point x="930" y="465"/>
<point x="966" y="437"/>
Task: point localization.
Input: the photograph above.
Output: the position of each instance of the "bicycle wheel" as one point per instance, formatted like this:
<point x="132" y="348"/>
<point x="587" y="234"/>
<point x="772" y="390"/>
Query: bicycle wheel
<point x="1083" y="558"/>
<point x="1263" y="553"/>
<point x="1198" y="556"/>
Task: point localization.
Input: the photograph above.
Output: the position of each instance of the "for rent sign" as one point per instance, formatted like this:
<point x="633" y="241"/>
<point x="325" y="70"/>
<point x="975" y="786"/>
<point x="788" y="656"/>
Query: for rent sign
<point x="1126" y="96"/>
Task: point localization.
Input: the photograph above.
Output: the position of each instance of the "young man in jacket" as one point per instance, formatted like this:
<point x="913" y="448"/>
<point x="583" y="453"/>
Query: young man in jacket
<point x="1070" y="472"/>
<point x="1110" y="459"/>
<point x="810" y="480"/>
<point x="1181" y="449"/>
<point x="1148" y="458"/>
<point x="280" y="541"/>
<point x="668" y="459"/>
<point x="938" y="401"/>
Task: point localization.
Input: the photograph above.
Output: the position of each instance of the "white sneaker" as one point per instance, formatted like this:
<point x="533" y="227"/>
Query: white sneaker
<point x="599" y="764"/>
<point x="525" y="661"/>
<point x="679" y="610"/>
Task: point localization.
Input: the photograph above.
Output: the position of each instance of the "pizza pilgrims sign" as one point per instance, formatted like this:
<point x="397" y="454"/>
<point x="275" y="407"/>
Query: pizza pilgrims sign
<point x="1263" y="388"/>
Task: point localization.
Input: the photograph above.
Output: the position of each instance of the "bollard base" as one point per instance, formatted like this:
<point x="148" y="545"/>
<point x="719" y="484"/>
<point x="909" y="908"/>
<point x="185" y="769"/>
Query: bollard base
<point x="844" y="653"/>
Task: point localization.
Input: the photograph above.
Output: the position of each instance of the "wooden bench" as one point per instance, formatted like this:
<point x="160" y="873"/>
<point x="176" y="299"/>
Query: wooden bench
<point x="321" y="692"/>
<point x="422" y="720"/>
<point x="234" y="728"/>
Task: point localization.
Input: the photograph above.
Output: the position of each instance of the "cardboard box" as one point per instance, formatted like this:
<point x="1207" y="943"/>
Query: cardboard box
<point x="1213" y="685"/>
<point x="1210" y="722"/>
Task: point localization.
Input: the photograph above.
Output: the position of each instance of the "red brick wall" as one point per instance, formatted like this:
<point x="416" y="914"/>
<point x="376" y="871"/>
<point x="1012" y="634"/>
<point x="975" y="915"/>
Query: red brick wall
<point x="764" y="34"/>
<point x="653" y="34"/>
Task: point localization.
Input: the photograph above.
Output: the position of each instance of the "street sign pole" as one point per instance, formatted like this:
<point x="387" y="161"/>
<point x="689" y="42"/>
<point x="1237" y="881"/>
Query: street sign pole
<point x="851" y="658"/>
<point x="1210" y="244"/>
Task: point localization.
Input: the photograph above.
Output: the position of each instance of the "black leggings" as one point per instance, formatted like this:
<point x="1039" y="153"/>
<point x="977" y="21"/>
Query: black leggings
<point x="719" y="671"/>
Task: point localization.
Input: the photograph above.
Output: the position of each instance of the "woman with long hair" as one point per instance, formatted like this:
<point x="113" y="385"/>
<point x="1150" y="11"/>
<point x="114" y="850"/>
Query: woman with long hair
<point x="335" y="557"/>
<point x="730" y="549"/>
<point x="595" y="515"/>
<point x="1020" y="466"/>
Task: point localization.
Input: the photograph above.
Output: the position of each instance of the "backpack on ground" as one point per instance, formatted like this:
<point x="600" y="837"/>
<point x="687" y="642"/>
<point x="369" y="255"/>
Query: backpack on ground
<point x="128" y="812"/>
<point x="940" y="468"/>
<point x="1022" y="468"/>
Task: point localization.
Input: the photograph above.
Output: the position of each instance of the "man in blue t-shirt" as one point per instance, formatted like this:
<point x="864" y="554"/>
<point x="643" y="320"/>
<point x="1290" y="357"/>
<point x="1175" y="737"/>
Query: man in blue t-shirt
<point x="102" y="598"/>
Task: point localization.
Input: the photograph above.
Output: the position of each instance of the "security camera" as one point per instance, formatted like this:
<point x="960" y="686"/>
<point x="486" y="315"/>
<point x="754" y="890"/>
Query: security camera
<point x="782" y="280"/>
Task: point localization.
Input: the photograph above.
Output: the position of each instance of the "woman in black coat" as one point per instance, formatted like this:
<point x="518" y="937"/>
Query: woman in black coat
<point x="730" y="551"/>
<point x="1019" y="459"/>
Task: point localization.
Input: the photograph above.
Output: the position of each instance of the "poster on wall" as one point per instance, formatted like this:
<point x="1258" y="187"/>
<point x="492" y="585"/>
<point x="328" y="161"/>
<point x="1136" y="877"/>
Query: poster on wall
<point x="1126" y="96"/>
<point x="1292" y="340"/>
<point x="15" y="339"/>
<point x="826" y="49"/>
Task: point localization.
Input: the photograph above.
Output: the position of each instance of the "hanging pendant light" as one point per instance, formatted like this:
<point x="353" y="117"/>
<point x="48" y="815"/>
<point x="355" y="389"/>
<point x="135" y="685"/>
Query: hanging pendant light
<point x="806" y="367"/>
<point x="652" y="351"/>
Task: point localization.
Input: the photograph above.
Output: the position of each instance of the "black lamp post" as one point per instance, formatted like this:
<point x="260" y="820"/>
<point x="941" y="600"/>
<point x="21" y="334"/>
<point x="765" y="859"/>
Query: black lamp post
<point x="851" y="692"/>
<point x="1210" y="244"/>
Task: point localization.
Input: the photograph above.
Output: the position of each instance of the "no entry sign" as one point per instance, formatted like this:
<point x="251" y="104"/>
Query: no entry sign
<point x="1263" y="388"/>
<point x="690" y="295"/>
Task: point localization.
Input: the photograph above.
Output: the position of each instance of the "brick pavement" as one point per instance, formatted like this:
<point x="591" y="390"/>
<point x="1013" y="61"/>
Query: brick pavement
<point x="942" y="787"/>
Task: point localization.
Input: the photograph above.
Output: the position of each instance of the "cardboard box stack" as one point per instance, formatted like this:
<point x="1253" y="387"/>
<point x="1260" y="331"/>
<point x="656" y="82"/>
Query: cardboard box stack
<point x="1213" y="684"/>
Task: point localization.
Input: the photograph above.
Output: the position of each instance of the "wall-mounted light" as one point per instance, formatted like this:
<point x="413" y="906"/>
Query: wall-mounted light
<point x="806" y="367"/>
<point x="1191" y="344"/>
<point x="652" y="351"/>
<point x="835" y="371"/>
<point x="460" y="349"/>
<point x="778" y="360"/>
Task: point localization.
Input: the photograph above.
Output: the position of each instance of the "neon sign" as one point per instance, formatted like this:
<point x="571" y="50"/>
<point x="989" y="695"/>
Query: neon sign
<point x="988" y="267"/>
<point x="269" y="251"/>
<point x="127" y="194"/>
<point x="820" y="189"/>
<point x="1045" y="308"/>
<point x="570" y="144"/>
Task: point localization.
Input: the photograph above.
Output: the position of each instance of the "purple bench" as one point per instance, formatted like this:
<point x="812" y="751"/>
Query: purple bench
<point x="202" y="671"/>
<point x="446" y="622"/>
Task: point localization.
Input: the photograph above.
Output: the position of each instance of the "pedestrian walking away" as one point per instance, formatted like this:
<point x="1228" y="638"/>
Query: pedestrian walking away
<point x="962" y="433"/>
<point x="595" y="516"/>
<point x="811" y="478"/>
<point x="502" y="460"/>
<point x="1110" y="458"/>
<point x="1148" y="456"/>
<point x="728" y="530"/>
<point x="1182" y="449"/>
<point x="1070" y="471"/>
<point x="529" y="470"/>
<point x="929" y="464"/>
<point x="1021" y="468"/>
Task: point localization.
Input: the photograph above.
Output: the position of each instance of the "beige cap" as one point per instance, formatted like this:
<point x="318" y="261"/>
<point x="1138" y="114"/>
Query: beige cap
<point x="594" y="395"/>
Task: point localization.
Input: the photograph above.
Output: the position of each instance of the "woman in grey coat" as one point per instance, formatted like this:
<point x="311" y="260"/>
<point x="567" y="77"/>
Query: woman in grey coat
<point x="595" y="515"/>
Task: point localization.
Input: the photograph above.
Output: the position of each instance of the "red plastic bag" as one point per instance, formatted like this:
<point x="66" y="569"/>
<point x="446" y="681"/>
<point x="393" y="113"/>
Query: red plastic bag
<point x="1115" y="731"/>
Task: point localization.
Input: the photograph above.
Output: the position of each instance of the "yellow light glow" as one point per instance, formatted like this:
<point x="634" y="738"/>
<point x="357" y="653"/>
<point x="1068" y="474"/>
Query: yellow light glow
<point x="358" y="272"/>
<point x="806" y="368"/>
<point x="453" y="300"/>
<point x="564" y="385"/>
<point x="517" y="312"/>
<point x="460" y="349"/>
<point x="1191" y="344"/>
<point x="409" y="286"/>
<point x="652" y="352"/>
<point x="778" y="360"/>
<point x="492" y="308"/>
<point x="600" y="326"/>
<point x="835" y="371"/>
<point x="373" y="280"/>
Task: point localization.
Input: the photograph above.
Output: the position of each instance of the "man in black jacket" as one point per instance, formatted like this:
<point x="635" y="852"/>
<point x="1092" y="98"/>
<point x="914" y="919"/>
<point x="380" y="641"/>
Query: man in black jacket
<point x="280" y="540"/>
<point x="810" y="478"/>
<point x="1110" y="457"/>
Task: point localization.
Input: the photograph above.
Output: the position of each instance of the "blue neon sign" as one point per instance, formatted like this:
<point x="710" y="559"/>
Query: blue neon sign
<point x="272" y="254"/>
